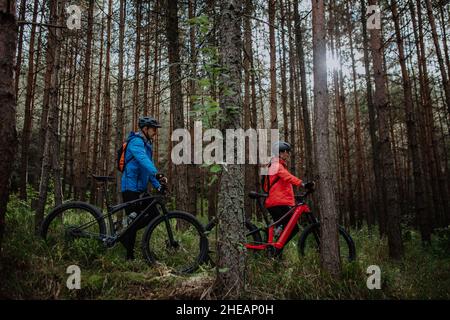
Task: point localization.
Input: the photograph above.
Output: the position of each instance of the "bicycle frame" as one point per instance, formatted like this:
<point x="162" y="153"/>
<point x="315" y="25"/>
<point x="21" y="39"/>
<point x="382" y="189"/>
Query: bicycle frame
<point x="298" y="211"/>
<point x="113" y="237"/>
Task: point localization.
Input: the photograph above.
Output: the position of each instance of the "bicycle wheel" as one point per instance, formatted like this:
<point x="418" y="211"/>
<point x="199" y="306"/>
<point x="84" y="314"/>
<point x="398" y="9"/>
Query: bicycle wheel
<point x="253" y="236"/>
<point x="175" y="240"/>
<point x="309" y="242"/>
<point x="74" y="230"/>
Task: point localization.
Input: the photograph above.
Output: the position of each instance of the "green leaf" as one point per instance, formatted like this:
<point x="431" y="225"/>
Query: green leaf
<point x="223" y="270"/>
<point x="215" y="168"/>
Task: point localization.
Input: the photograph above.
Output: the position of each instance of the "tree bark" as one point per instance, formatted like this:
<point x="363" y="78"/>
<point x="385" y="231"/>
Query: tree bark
<point x="421" y="212"/>
<point x="8" y="134"/>
<point x="81" y="178"/>
<point x="176" y="96"/>
<point x="26" y="131"/>
<point x="304" y="95"/>
<point x="51" y="135"/>
<point x="444" y="75"/>
<point x="329" y="245"/>
<point x="231" y="262"/>
<point x="381" y="103"/>
<point x="119" y="101"/>
<point x="273" y="72"/>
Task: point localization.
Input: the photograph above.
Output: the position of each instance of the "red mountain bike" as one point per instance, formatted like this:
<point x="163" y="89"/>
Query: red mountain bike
<point x="309" y="239"/>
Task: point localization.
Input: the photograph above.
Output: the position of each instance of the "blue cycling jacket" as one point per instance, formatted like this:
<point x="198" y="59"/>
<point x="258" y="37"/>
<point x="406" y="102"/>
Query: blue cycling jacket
<point x="139" y="166"/>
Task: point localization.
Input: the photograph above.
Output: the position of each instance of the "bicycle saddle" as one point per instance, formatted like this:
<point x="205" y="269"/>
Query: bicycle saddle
<point x="103" y="178"/>
<point x="256" y="195"/>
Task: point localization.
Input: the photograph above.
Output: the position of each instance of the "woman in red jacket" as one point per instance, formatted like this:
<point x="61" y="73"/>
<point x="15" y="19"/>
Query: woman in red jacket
<point x="281" y="182"/>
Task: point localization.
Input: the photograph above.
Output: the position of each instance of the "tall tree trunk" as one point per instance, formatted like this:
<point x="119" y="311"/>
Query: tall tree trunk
<point x="282" y="54"/>
<point x="421" y="213"/>
<point x="230" y="282"/>
<point x="51" y="136"/>
<point x="176" y="96"/>
<point x="304" y="94"/>
<point x="8" y="147"/>
<point x="444" y="75"/>
<point x="26" y="131"/>
<point x="250" y="176"/>
<point x="137" y="57"/>
<point x="273" y="72"/>
<point x="378" y="209"/>
<point x="361" y="196"/>
<point x="381" y="103"/>
<point x="96" y="150"/>
<point x="81" y="179"/>
<point x="329" y="245"/>
<point x="18" y="69"/>
<point x="106" y="139"/>
<point x="119" y="101"/>
<point x="192" y="170"/>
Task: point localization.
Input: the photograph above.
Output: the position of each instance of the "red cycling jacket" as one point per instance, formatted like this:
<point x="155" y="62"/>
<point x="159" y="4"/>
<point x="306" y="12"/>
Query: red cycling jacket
<point x="281" y="192"/>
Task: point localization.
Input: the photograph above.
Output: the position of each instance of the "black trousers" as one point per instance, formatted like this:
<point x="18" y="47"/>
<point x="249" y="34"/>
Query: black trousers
<point x="277" y="212"/>
<point x="129" y="239"/>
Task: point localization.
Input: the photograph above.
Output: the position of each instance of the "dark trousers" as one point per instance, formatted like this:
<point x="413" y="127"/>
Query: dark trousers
<point x="129" y="239"/>
<point x="277" y="212"/>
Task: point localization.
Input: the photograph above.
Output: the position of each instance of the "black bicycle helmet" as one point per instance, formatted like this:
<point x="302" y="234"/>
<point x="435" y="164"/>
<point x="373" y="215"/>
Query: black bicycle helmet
<point x="281" y="146"/>
<point x="148" y="122"/>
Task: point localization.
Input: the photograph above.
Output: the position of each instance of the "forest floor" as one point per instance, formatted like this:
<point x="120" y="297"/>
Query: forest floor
<point x="28" y="270"/>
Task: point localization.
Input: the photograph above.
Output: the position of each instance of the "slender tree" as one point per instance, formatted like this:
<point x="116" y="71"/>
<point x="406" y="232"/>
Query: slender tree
<point x="273" y="72"/>
<point x="51" y="135"/>
<point x="382" y="105"/>
<point x="8" y="44"/>
<point x="176" y="96"/>
<point x="231" y="262"/>
<point x="26" y="131"/>
<point x="329" y="244"/>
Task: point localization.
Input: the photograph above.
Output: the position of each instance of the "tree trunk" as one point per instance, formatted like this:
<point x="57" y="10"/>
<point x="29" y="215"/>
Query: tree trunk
<point x="119" y="101"/>
<point x="378" y="209"/>
<point x="329" y="245"/>
<point x="176" y="96"/>
<point x="231" y="262"/>
<point x="137" y="56"/>
<point x="444" y="75"/>
<point x="381" y="103"/>
<point x="361" y="196"/>
<point x="51" y="136"/>
<point x="273" y="72"/>
<point x="26" y="131"/>
<point x="8" y="146"/>
<point x="421" y="212"/>
<point x="81" y="177"/>
<point x="18" y="68"/>
<point x="304" y="95"/>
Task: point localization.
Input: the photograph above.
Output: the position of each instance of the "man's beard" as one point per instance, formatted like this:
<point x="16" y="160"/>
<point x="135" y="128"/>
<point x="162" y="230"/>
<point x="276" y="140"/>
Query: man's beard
<point x="149" y="138"/>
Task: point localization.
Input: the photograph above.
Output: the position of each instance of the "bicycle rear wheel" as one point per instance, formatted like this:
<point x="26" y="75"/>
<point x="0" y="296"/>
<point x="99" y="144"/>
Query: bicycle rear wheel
<point x="309" y="243"/>
<point x="74" y="230"/>
<point x="175" y="240"/>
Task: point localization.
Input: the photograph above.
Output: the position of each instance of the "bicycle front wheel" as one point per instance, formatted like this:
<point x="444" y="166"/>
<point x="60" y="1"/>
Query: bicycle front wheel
<point x="175" y="240"/>
<point x="309" y="242"/>
<point x="74" y="230"/>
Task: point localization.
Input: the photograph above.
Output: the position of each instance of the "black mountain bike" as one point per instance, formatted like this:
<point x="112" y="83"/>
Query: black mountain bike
<point x="175" y="239"/>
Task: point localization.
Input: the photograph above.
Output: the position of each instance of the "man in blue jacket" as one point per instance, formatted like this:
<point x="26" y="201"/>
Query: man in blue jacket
<point x="138" y="172"/>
